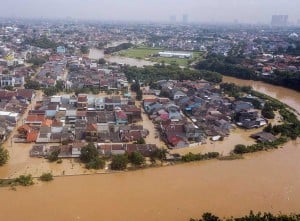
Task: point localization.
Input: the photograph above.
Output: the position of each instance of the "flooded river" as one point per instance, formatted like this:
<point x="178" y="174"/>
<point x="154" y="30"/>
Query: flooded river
<point x="267" y="181"/>
<point x="264" y="181"/>
<point x="285" y="95"/>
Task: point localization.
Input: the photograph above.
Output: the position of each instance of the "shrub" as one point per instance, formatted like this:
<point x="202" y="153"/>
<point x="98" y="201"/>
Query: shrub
<point x="24" y="180"/>
<point x="136" y="158"/>
<point x="96" y="163"/>
<point x="53" y="156"/>
<point x="4" y="156"/>
<point x="46" y="177"/>
<point x="240" y="149"/>
<point x="119" y="162"/>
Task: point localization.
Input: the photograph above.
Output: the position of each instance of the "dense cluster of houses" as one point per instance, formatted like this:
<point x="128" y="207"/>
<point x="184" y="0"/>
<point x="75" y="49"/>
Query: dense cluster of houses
<point x="84" y="73"/>
<point x="69" y="118"/>
<point x="195" y="110"/>
<point x="72" y="121"/>
<point x="52" y="71"/>
<point x="12" y="107"/>
<point x="105" y="149"/>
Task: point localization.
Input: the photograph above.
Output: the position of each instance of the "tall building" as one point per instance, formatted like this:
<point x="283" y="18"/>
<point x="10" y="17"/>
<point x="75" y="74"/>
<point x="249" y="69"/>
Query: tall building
<point x="185" y="19"/>
<point x="279" y="20"/>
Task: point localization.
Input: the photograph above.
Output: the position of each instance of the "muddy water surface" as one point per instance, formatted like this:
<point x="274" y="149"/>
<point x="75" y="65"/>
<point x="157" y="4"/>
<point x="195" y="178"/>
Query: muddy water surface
<point x="285" y="95"/>
<point x="264" y="181"/>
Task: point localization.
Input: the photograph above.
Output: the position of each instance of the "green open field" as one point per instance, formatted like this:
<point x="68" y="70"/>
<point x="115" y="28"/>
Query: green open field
<point x="146" y="54"/>
<point x="139" y="53"/>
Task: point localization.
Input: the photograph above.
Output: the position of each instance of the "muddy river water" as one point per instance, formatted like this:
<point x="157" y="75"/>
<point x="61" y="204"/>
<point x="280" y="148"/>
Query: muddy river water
<point x="267" y="181"/>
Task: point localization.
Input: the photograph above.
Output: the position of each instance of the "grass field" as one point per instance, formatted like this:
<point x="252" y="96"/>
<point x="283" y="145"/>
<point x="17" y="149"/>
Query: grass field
<point x="146" y="54"/>
<point x="139" y="53"/>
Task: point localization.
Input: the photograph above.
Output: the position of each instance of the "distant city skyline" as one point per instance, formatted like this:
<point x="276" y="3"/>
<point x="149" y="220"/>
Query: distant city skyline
<point x="212" y="11"/>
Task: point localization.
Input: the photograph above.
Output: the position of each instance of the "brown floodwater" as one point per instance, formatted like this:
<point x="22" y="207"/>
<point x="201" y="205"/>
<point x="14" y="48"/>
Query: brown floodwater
<point x="266" y="181"/>
<point x="285" y="95"/>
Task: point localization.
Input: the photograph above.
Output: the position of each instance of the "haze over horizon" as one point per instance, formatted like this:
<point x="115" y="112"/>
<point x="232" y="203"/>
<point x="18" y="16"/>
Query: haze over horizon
<point x="213" y="11"/>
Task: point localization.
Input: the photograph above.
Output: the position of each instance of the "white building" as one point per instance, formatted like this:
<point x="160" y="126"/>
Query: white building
<point x="175" y="54"/>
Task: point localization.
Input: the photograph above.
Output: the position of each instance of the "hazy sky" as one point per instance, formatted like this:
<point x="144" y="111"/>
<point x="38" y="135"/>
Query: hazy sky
<point x="250" y="11"/>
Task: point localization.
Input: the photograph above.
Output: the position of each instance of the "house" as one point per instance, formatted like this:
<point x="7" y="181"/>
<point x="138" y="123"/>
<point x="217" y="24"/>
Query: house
<point x="82" y="102"/>
<point x="34" y="120"/>
<point x="264" y="137"/>
<point x="80" y="129"/>
<point x="239" y="106"/>
<point x="134" y="114"/>
<point x="177" y="141"/>
<point x="61" y="50"/>
<point x="27" y="133"/>
<point x="38" y="151"/>
<point x="10" y="116"/>
<point x="177" y="94"/>
<point x="149" y="101"/>
<point x="153" y="107"/>
<point x="71" y="116"/>
<point x="91" y="133"/>
<point x="174" y="111"/>
<point x="121" y="117"/>
<point x="51" y="110"/>
<point x="174" y="134"/>
<point x="250" y="119"/>
<point x="193" y="132"/>
<point x="111" y="103"/>
<point x="99" y="104"/>
<point x="26" y="94"/>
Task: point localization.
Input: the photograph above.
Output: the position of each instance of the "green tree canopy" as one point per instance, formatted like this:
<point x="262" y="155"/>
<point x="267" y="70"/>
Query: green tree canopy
<point x="4" y="156"/>
<point x="136" y="158"/>
<point x="88" y="153"/>
<point x="119" y="162"/>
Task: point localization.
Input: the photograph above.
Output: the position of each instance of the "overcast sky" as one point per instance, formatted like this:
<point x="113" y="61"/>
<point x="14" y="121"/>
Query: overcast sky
<point x="246" y="11"/>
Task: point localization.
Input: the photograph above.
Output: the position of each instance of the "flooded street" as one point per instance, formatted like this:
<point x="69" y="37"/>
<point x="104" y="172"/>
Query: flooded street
<point x="266" y="181"/>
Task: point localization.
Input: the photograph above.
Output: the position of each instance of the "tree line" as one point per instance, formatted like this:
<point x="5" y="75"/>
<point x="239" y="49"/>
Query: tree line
<point x="150" y="74"/>
<point x="251" y="217"/>
<point x="123" y="46"/>
<point x="230" y="67"/>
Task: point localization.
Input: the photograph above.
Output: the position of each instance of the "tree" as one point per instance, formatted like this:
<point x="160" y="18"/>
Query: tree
<point x="96" y="163"/>
<point x="139" y="95"/>
<point x="4" y="156"/>
<point x="59" y="85"/>
<point x="136" y="158"/>
<point x="101" y="61"/>
<point x="210" y="217"/>
<point x="53" y="156"/>
<point x="88" y="153"/>
<point x="84" y="49"/>
<point x="50" y="91"/>
<point x="46" y="177"/>
<point x="119" y="162"/>
<point x="159" y="154"/>
<point x="25" y="180"/>
<point x="267" y="111"/>
<point x="140" y="141"/>
<point x="30" y="84"/>
<point x="240" y="149"/>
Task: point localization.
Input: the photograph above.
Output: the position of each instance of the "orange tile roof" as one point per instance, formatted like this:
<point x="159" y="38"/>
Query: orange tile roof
<point x="47" y="122"/>
<point x="32" y="136"/>
<point x="35" y="118"/>
<point x="24" y="127"/>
